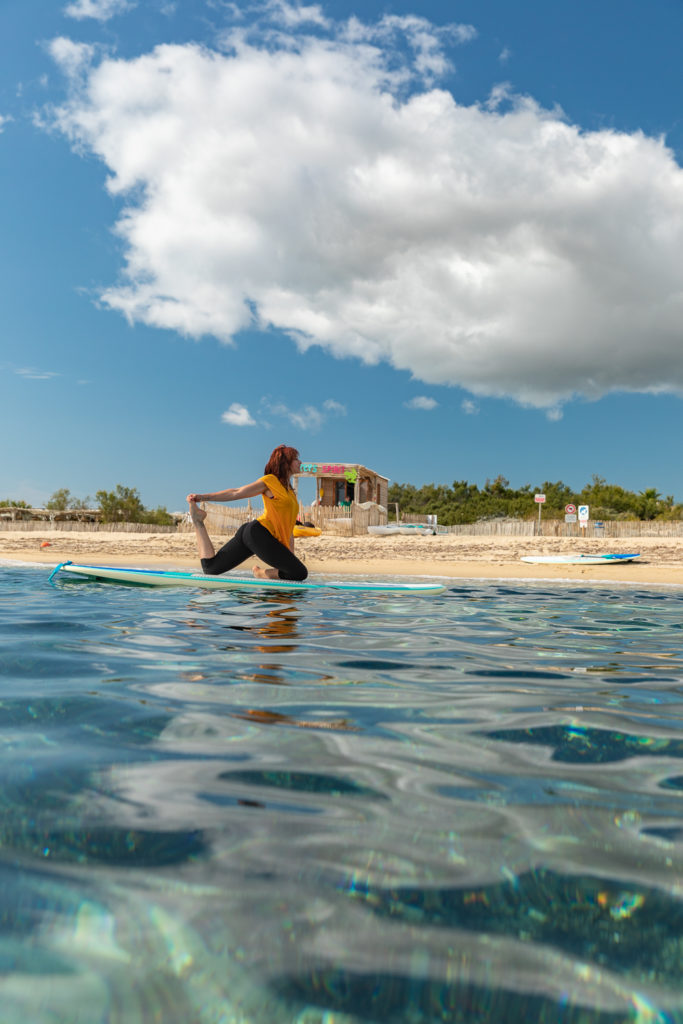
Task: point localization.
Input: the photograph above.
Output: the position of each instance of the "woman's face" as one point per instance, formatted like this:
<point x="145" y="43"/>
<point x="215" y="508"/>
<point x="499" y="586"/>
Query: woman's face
<point x="296" y="465"/>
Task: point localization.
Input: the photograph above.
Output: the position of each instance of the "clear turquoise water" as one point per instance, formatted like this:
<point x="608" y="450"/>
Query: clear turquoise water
<point x="220" y="807"/>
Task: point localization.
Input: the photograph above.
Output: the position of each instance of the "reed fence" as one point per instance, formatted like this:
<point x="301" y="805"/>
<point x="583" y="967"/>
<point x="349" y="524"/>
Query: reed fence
<point x="48" y="527"/>
<point x="412" y="517"/>
<point x="336" y="520"/>
<point x="354" y="521"/>
<point x="557" y="528"/>
<point x="344" y="522"/>
<point x="223" y="519"/>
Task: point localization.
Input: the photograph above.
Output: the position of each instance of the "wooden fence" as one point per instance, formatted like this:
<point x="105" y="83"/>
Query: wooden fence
<point x="225" y="519"/>
<point x="343" y="522"/>
<point x="221" y="519"/>
<point x="558" y="528"/>
<point x="47" y="527"/>
<point x="354" y="521"/>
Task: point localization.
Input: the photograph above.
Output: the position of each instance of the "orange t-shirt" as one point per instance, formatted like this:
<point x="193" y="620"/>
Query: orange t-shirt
<point x="280" y="511"/>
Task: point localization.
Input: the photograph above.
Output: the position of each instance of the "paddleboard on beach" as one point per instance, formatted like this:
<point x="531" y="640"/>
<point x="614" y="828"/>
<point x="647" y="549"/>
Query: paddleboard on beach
<point x="402" y="530"/>
<point x="607" y="559"/>
<point x="164" y="578"/>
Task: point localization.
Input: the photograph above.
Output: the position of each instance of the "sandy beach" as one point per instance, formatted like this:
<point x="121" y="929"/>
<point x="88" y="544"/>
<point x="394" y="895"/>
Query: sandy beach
<point x="461" y="557"/>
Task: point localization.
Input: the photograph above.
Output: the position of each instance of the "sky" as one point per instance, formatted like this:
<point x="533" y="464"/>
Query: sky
<point x="443" y="240"/>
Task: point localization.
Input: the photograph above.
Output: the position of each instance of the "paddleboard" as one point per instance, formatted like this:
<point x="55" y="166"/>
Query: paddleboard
<point x="164" y="578"/>
<point x="405" y="530"/>
<point x="607" y="559"/>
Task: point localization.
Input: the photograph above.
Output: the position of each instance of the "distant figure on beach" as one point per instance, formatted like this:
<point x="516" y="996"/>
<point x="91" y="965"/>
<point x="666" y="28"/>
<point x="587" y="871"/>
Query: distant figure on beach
<point x="270" y="537"/>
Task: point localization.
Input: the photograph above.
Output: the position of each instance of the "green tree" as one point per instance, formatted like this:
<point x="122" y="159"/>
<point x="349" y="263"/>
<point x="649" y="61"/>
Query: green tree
<point x="608" y="501"/>
<point x="10" y="503"/>
<point x="159" y="516"/>
<point x="649" y="503"/>
<point x="124" y="506"/>
<point x="121" y="506"/>
<point x="466" y="503"/>
<point x="59" y="501"/>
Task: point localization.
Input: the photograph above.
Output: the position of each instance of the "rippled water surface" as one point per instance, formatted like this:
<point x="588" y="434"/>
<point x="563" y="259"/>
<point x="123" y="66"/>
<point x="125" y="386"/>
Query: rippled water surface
<point x="224" y="807"/>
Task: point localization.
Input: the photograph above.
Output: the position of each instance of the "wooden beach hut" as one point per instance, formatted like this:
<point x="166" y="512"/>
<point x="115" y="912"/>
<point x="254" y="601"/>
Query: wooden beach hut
<point x="344" y="484"/>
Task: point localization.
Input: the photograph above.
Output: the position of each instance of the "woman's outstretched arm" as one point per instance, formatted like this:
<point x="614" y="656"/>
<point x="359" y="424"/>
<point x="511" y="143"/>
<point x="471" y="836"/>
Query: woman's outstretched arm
<point x="232" y="493"/>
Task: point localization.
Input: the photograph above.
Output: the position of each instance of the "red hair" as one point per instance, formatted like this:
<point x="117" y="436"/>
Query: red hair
<point x="280" y="463"/>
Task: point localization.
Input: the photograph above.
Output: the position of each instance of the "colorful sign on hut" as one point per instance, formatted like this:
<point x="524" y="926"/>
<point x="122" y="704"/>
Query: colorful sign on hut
<point x="345" y="483"/>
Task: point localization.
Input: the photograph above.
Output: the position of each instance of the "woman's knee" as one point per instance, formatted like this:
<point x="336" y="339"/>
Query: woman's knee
<point x="209" y="567"/>
<point x="298" y="574"/>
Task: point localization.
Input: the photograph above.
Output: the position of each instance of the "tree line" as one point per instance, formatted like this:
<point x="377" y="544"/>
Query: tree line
<point x="467" y="503"/>
<point x="122" y="505"/>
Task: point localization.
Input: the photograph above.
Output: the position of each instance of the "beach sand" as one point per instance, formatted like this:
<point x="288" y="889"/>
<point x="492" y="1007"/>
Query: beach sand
<point x="458" y="557"/>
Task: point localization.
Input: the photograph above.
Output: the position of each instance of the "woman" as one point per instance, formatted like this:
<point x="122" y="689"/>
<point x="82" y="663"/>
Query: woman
<point x="270" y="537"/>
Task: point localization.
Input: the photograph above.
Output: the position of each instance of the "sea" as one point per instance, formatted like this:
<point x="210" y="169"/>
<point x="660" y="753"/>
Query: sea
<point x="333" y="808"/>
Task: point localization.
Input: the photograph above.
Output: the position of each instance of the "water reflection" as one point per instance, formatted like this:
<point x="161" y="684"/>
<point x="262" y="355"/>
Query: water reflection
<point x="275" y="718"/>
<point x="279" y="625"/>
<point x="285" y="808"/>
<point x="627" y="929"/>
<point x="582" y="744"/>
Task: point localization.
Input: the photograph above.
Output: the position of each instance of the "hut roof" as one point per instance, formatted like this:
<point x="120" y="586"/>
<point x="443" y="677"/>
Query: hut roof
<point x="327" y="468"/>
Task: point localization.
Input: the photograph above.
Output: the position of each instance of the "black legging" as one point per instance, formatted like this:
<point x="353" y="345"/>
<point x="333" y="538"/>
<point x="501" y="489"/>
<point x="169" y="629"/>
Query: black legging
<point x="254" y="539"/>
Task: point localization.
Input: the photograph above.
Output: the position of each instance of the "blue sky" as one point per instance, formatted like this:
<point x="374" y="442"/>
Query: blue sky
<point x="444" y="240"/>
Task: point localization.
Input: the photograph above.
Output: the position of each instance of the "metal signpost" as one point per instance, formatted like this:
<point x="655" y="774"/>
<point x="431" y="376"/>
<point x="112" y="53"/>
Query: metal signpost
<point x="539" y="499"/>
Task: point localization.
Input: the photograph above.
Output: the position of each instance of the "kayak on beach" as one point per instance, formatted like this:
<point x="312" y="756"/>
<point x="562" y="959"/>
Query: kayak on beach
<point x="165" y="578"/>
<point x="607" y="559"/>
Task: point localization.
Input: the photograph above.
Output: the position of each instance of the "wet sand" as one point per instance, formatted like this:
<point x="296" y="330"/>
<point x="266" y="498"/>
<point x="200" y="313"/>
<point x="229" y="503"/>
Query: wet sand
<point x="461" y="557"/>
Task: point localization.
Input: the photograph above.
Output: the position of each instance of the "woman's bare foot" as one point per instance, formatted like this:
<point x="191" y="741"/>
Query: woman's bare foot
<point x="197" y="514"/>
<point x="265" y="574"/>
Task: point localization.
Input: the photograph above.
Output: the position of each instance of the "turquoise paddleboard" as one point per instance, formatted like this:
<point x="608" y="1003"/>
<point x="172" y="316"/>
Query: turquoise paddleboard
<point x="163" y="578"/>
<point x="606" y="559"/>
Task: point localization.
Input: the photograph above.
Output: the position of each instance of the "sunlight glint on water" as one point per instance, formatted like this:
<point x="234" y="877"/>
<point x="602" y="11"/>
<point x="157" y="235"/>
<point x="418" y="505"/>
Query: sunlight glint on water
<point x="225" y="807"/>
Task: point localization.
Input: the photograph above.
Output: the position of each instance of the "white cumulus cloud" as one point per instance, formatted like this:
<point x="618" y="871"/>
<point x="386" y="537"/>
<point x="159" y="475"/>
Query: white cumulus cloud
<point x="322" y="186"/>
<point x="238" y="416"/>
<point x="469" y="407"/>
<point x="73" y="58"/>
<point x="310" y="417"/>
<point x="293" y="15"/>
<point x="421" y="402"/>
<point x="101" y="10"/>
<point x="338" y="408"/>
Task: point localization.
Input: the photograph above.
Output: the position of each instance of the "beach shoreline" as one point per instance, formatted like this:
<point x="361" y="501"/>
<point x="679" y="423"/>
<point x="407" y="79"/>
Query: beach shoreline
<point x="447" y="556"/>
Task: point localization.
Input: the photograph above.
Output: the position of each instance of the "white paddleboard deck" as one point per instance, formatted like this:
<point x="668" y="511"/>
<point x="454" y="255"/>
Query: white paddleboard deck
<point x="164" y="578"/>
<point x="608" y="559"/>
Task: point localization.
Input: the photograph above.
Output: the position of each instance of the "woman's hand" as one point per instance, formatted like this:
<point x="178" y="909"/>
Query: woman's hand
<point x="193" y="497"/>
